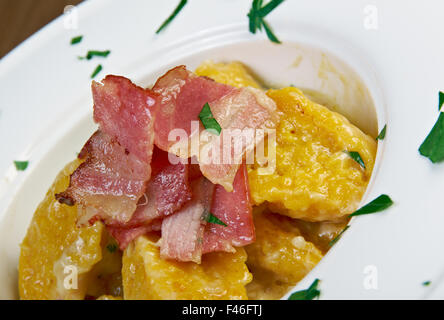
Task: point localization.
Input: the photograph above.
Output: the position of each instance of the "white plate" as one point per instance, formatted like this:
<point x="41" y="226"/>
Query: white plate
<point x="45" y="113"/>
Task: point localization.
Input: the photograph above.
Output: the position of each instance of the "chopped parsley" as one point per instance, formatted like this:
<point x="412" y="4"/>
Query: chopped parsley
<point x="176" y="11"/>
<point x="426" y="283"/>
<point x="96" y="71"/>
<point x="440" y="100"/>
<point x="307" y="294"/>
<point x="433" y="145"/>
<point x="258" y="13"/>
<point x="21" y="165"/>
<point x="208" y="120"/>
<point x="95" y="53"/>
<point x="112" y="247"/>
<point x="355" y="156"/>
<point x="270" y="33"/>
<point x="76" y="40"/>
<point x="213" y="219"/>
<point x="332" y="242"/>
<point x="381" y="134"/>
<point x="380" y="203"/>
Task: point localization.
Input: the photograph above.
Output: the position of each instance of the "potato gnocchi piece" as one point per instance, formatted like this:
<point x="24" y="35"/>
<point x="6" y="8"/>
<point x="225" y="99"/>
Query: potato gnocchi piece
<point x="234" y="74"/>
<point x="106" y="276"/>
<point x="54" y="242"/>
<point x="314" y="179"/>
<point x="279" y="258"/>
<point x="266" y="285"/>
<point x="147" y="276"/>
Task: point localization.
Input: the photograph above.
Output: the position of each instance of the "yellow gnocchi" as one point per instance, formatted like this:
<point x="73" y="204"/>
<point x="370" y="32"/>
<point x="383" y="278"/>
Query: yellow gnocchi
<point x="315" y="179"/>
<point x="279" y="258"/>
<point x="147" y="276"/>
<point x="53" y="242"/>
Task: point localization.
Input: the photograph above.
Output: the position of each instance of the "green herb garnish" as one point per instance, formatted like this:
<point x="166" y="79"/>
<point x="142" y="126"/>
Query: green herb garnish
<point x="426" y="283"/>
<point x="380" y="203"/>
<point x="308" y="294"/>
<point x="213" y="219"/>
<point x="332" y="242"/>
<point x="94" y="53"/>
<point x="270" y="33"/>
<point x="440" y="100"/>
<point x="21" y="165"/>
<point x="254" y="20"/>
<point x="433" y="145"/>
<point x="208" y="120"/>
<point x="112" y="247"/>
<point x="258" y="13"/>
<point x="176" y="11"/>
<point x="381" y="135"/>
<point x="355" y="156"/>
<point x="76" y="40"/>
<point x="96" y="71"/>
<point x="270" y="6"/>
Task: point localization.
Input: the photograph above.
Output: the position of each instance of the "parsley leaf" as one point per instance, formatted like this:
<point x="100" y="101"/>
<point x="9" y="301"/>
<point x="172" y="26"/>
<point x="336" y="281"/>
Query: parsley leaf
<point x="332" y="242"/>
<point x="96" y="71"/>
<point x="380" y="203"/>
<point x="76" y="40"/>
<point x="21" y="165"/>
<point x="269" y="32"/>
<point x="440" y="100"/>
<point x="208" y="120"/>
<point x="355" y="156"/>
<point x="426" y="283"/>
<point x="213" y="219"/>
<point x="256" y="17"/>
<point x="262" y="12"/>
<point x="433" y="145"/>
<point x="381" y="134"/>
<point x="176" y="11"/>
<point x="308" y="294"/>
<point x="95" y="53"/>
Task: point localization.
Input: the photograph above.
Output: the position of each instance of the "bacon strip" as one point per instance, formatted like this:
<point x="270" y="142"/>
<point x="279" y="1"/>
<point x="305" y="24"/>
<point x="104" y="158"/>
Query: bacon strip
<point x="125" y="235"/>
<point x="110" y="182"/>
<point x="240" y="113"/>
<point x="182" y="232"/>
<point x="235" y="210"/>
<point x="183" y="96"/>
<point x="167" y="191"/>
<point x="169" y="183"/>
<point x="125" y="111"/>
